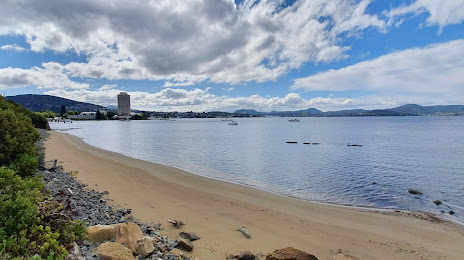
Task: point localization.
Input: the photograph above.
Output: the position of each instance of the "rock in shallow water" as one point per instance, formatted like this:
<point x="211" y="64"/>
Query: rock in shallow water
<point x="413" y="191"/>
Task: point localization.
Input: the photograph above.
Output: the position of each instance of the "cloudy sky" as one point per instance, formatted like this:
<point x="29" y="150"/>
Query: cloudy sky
<point x="204" y="55"/>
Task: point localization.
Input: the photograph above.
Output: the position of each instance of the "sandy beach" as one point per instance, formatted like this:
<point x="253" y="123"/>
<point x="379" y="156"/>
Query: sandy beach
<point x="214" y="210"/>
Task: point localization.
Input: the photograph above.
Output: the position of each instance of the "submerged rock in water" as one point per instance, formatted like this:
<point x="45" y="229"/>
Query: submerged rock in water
<point x="413" y="191"/>
<point x="437" y="202"/>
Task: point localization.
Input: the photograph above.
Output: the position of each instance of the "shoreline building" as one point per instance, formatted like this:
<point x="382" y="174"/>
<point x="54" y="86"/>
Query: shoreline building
<point x="124" y="109"/>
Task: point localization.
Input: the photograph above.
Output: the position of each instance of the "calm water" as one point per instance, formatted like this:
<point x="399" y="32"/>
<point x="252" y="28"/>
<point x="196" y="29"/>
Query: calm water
<point x="397" y="153"/>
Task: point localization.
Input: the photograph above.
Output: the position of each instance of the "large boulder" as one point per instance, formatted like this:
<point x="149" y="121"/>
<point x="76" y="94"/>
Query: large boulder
<point x="290" y="253"/>
<point x="114" y="251"/>
<point x="100" y="233"/>
<point x="129" y="233"/>
<point x="144" y="246"/>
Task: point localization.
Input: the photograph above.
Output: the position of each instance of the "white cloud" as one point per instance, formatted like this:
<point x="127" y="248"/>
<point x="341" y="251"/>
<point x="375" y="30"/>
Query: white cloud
<point x="168" y="84"/>
<point x="108" y="86"/>
<point x="188" y="40"/>
<point x="442" y="12"/>
<point x="49" y="77"/>
<point x="228" y="89"/>
<point x="437" y="68"/>
<point x="12" y="47"/>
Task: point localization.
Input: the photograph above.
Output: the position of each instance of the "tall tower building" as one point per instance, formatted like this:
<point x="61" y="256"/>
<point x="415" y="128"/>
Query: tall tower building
<point x="124" y="104"/>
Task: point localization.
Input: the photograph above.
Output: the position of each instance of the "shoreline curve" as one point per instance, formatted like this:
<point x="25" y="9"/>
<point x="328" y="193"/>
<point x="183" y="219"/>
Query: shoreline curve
<point x="215" y="209"/>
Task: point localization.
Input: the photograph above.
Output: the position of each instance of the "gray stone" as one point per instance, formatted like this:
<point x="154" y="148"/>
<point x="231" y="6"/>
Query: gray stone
<point x="185" y="245"/>
<point x="189" y="235"/>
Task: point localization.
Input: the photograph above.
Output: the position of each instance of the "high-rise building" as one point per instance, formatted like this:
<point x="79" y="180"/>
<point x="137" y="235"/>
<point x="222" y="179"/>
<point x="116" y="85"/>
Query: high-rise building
<point x="124" y="104"/>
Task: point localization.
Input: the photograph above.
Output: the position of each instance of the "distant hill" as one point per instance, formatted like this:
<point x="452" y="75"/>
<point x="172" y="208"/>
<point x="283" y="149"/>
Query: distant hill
<point x="247" y="111"/>
<point x="405" y="110"/>
<point x="40" y="103"/>
<point x="428" y="110"/>
<point x="298" y="113"/>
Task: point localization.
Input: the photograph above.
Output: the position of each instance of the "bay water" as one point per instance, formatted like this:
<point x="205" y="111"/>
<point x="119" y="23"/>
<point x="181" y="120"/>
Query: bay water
<point x="396" y="154"/>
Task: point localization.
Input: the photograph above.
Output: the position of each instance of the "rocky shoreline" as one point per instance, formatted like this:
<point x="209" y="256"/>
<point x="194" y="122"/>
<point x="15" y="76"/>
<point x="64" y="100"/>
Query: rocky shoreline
<point x="84" y="203"/>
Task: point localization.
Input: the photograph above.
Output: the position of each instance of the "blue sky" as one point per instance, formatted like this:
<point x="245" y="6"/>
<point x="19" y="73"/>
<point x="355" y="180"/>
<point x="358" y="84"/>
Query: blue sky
<point x="206" y="55"/>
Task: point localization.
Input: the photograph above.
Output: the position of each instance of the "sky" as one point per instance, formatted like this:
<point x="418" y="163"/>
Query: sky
<point x="224" y="55"/>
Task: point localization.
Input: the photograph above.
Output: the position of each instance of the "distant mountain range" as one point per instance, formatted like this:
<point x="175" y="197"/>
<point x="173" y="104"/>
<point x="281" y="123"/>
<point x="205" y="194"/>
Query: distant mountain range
<point x="39" y="103"/>
<point x="45" y="102"/>
<point x="405" y="110"/>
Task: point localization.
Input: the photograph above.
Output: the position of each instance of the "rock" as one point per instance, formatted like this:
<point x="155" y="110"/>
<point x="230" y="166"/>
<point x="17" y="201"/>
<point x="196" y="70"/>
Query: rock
<point x="48" y="165"/>
<point x="451" y="212"/>
<point x="131" y="218"/>
<point x="243" y="256"/>
<point x="114" y="251"/>
<point x="246" y="256"/>
<point x="185" y="245"/>
<point x="176" y="252"/>
<point x="413" y="191"/>
<point x="290" y="253"/>
<point x="128" y="233"/>
<point x="442" y="211"/>
<point x="341" y="256"/>
<point x="374" y="183"/>
<point x="100" y="233"/>
<point x="189" y="235"/>
<point x="75" y="250"/>
<point x="437" y="202"/>
<point x="144" y="246"/>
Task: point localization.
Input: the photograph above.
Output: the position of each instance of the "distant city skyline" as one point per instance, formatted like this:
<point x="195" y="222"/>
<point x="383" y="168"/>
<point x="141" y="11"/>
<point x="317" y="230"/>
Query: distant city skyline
<point x="228" y="55"/>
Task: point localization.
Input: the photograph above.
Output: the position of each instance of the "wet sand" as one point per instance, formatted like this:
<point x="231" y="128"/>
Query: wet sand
<point x="214" y="210"/>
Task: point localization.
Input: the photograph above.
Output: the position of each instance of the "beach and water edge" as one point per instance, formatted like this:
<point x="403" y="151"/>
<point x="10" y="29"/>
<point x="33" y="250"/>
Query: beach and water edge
<point x="215" y="210"/>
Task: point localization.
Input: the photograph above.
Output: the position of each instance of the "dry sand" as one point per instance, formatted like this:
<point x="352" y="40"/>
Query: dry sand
<point x="214" y="210"/>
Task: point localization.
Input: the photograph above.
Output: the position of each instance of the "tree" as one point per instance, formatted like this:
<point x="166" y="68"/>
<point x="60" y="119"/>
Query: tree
<point x="110" y="114"/>
<point x="100" y="116"/>
<point x="63" y="110"/>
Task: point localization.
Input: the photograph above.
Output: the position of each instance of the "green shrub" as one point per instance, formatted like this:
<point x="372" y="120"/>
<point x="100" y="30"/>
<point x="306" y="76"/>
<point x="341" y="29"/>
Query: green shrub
<point x="32" y="224"/>
<point x="25" y="164"/>
<point x="17" y="140"/>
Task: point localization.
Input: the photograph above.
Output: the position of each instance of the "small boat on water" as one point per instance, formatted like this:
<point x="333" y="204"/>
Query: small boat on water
<point x="294" y="120"/>
<point x="233" y="123"/>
